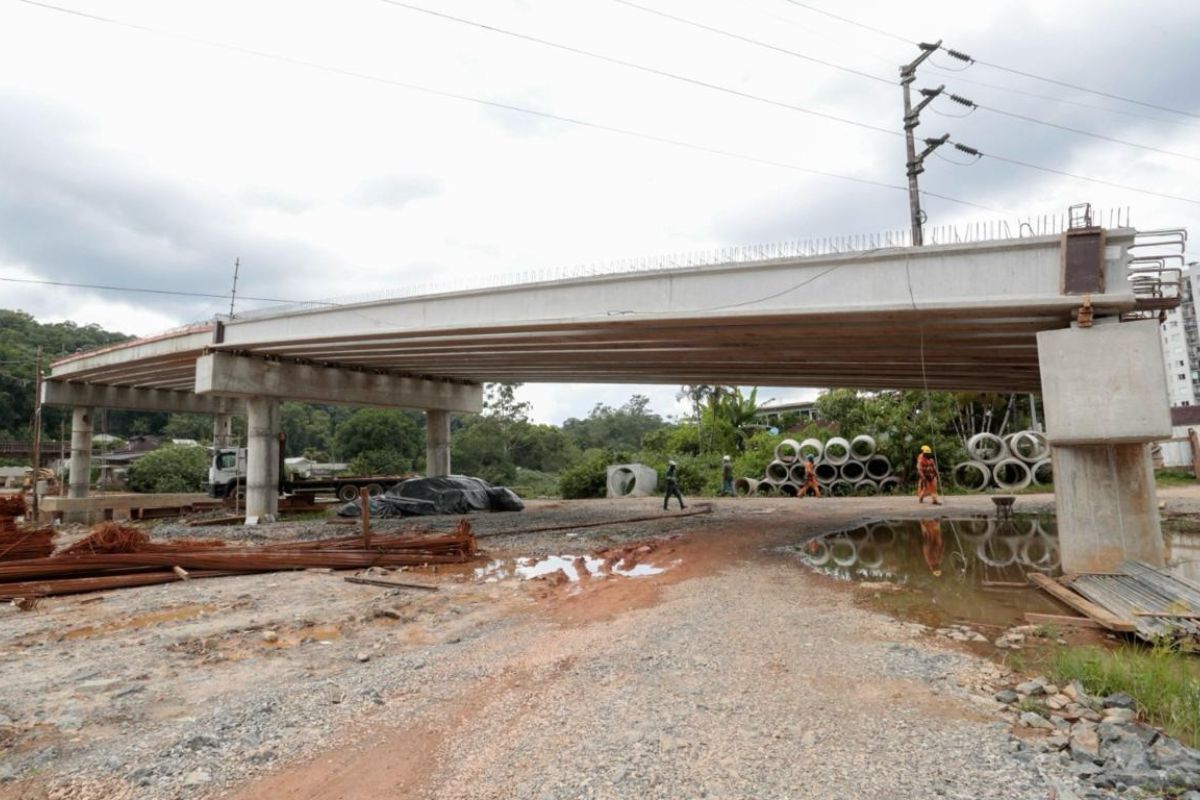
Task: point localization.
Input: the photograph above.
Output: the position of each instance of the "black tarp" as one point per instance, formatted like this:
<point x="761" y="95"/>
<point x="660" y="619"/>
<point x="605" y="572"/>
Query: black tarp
<point x="450" y="494"/>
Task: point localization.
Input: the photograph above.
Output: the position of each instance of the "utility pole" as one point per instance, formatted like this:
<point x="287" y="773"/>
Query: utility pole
<point x="37" y="428"/>
<point x="908" y="74"/>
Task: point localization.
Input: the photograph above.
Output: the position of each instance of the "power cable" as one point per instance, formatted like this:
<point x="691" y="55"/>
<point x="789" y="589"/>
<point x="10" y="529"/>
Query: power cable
<point x="849" y="21"/>
<point x="757" y="42"/>
<point x="495" y="104"/>
<point x="641" y="67"/>
<point x="152" y="291"/>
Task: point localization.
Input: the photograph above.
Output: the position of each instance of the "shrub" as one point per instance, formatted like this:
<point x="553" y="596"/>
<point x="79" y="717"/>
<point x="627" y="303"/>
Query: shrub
<point x="380" y="462"/>
<point x="587" y="477"/>
<point x="169" y="469"/>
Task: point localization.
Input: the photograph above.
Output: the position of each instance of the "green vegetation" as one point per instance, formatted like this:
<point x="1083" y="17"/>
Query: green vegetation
<point x="1174" y="476"/>
<point x="170" y="469"/>
<point x="1164" y="681"/>
<point x="381" y="441"/>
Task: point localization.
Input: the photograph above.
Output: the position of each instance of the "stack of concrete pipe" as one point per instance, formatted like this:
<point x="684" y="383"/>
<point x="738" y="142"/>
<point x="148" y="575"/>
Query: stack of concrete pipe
<point x="843" y="467"/>
<point x="1010" y="463"/>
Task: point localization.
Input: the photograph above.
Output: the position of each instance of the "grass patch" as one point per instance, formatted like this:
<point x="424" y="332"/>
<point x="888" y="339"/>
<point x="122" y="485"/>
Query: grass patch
<point x="531" y="483"/>
<point x="1165" y="682"/>
<point x="1174" y="476"/>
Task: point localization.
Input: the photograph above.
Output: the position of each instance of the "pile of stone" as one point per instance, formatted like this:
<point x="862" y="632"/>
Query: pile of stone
<point x="1102" y="739"/>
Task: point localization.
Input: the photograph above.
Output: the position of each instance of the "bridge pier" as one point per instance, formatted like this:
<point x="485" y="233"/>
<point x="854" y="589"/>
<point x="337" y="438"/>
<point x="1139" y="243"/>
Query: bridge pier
<point x="222" y="430"/>
<point x="262" y="459"/>
<point x="437" y="443"/>
<point x="81" y="452"/>
<point x="1105" y="394"/>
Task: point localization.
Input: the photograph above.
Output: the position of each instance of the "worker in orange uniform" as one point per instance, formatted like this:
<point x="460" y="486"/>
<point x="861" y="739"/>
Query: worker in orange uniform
<point x="932" y="545"/>
<point x="927" y="476"/>
<point x="810" y="479"/>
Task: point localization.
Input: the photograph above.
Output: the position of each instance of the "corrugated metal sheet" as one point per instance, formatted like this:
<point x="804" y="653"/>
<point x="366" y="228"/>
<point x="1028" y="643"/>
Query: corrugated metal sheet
<point x="1157" y="602"/>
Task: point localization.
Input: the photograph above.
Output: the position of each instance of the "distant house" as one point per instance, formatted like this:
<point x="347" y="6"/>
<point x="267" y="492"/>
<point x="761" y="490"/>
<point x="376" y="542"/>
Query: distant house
<point x="772" y="411"/>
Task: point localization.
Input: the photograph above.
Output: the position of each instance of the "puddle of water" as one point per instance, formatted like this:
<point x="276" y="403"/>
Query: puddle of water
<point x="179" y="614"/>
<point x="952" y="571"/>
<point x="530" y="568"/>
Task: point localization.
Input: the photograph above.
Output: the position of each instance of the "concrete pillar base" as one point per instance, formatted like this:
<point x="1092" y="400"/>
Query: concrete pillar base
<point x="80" y="479"/>
<point x="437" y="443"/>
<point x="222" y="430"/>
<point x="262" y="460"/>
<point x="1107" y="507"/>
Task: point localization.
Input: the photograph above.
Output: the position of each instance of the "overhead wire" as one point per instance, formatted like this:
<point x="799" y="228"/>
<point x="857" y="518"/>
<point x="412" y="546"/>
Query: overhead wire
<point x="853" y="22"/>
<point x="142" y="290"/>
<point x="629" y="132"/>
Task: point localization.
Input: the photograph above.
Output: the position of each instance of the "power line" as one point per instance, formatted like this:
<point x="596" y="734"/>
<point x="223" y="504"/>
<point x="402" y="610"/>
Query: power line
<point x="151" y="291"/>
<point x="494" y="104"/>
<point x="640" y="67"/>
<point x="849" y="21"/>
<point x="971" y="104"/>
<point x="759" y="43"/>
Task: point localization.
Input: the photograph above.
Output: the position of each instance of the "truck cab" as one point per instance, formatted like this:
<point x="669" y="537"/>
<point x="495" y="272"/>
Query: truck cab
<point x="227" y="471"/>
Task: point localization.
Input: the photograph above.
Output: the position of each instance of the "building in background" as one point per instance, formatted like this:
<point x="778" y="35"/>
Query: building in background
<point x="1181" y="347"/>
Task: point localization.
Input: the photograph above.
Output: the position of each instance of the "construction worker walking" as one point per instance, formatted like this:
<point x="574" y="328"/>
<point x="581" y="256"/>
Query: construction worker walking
<point x="726" y="476"/>
<point x="810" y="479"/>
<point x="927" y="476"/>
<point x="673" y="486"/>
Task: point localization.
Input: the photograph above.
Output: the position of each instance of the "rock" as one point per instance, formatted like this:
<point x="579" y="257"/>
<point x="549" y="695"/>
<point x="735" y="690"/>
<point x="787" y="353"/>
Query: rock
<point x="1032" y="688"/>
<point x="1087" y="770"/>
<point x="1168" y="754"/>
<point x="363" y="657"/>
<point x="1074" y="690"/>
<point x="1050" y="688"/>
<point x="201" y="741"/>
<point x="1085" y="746"/>
<point x="1030" y="719"/>
<point x="7" y="773"/>
<point x="1057" y="702"/>
<point x="1119" y="700"/>
<point x="270" y="636"/>
<point x="1006" y="696"/>
<point x="197" y="777"/>
<point x="1054" y="743"/>
<point x="70" y="721"/>
<point x="1119" y="714"/>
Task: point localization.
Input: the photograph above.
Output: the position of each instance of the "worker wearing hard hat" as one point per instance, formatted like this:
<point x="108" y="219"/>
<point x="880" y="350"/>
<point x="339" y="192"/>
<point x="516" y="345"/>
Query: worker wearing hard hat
<point x="927" y="476"/>
<point x="727" y="476"/>
<point x="673" y="486"/>
<point x="810" y="484"/>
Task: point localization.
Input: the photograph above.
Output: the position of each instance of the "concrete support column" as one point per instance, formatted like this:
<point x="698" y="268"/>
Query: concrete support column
<point x="1104" y="389"/>
<point x="262" y="460"/>
<point x="222" y="430"/>
<point x="1107" y="508"/>
<point x="81" y="452"/>
<point x="437" y="443"/>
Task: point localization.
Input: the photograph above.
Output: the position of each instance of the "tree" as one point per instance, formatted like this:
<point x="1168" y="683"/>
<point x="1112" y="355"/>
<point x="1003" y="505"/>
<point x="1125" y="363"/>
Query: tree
<point x="189" y="426"/>
<point x="173" y="468"/>
<point x="309" y="429"/>
<point x="381" y="431"/>
<point x="615" y="428"/>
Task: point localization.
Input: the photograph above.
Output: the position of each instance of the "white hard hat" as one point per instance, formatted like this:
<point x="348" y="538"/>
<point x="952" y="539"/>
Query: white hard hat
<point x="671" y="464"/>
<point x="726" y="458"/>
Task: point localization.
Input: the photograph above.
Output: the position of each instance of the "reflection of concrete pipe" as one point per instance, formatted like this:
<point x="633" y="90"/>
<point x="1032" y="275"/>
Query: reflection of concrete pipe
<point x="745" y="486"/>
<point x="866" y="487"/>
<point x="994" y="559"/>
<point x="789" y="489"/>
<point x="973" y="530"/>
<point x="889" y="485"/>
<point x="1042" y="472"/>
<point x="826" y="472"/>
<point x="817" y="553"/>
<point x="787" y="451"/>
<point x="853" y="471"/>
<point x="812" y="447"/>
<point x="777" y="472"/>
<point x="882" y="534"/>
<point x="1011" y="474"/>
<point x="974" y="476"/>
<point x="878" y="467"/>
<point x="869" y="556"/>
<point x="837" y="451"/>
<point x="844" y="552"/>
<point x="987" y="447"/>
<point x="862" y="447"/>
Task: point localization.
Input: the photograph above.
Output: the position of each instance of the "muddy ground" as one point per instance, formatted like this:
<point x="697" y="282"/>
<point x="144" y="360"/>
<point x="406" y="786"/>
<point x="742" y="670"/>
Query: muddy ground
<point x="733" y="672"/>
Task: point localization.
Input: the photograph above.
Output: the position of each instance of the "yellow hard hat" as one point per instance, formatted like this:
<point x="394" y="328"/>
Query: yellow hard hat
<point x="926" y="448"/>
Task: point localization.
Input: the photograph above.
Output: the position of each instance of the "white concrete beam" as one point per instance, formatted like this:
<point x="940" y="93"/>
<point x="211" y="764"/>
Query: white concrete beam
<point x="241" y="376"/>
<point x="60" y="393"/>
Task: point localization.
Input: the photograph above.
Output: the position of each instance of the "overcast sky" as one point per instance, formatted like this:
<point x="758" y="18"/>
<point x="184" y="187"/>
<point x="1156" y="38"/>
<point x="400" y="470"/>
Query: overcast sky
<point x="136" y="159"/>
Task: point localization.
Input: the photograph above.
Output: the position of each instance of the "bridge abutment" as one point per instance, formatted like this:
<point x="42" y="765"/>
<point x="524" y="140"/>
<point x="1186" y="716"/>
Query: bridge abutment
<point x="262" y="459"/>
<point x="437" y="443"/>
<point x="1105" y="394"/>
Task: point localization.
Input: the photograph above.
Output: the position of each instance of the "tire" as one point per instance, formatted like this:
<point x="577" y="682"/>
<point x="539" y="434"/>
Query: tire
<point x="374" y="489"/>
<point x="347" y="492"/>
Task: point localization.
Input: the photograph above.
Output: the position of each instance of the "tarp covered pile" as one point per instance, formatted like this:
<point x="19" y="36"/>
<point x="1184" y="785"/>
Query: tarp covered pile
<point x="450" y="494"/>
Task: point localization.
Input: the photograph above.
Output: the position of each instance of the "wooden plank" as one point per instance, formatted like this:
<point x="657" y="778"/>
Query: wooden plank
<point x="1034" y="618"/>
<point x="390" y="584"/>
<point x="1082" y="604"/>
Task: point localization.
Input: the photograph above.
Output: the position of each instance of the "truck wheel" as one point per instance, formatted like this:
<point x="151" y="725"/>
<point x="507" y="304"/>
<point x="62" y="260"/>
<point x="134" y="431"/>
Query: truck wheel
<point x="347" y="493"/>
<point x="374" y="489"/>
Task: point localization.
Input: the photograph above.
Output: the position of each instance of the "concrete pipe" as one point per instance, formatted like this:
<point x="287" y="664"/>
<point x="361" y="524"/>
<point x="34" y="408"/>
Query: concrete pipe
<point x="853" y="471"/>
<point x="1029" y="446"/>
<point x="974" y="476"/>
<point x="787" y="451"/>
<point x="878" y="467"/>
<point x="866" y="488"/>
<point x="744" y="487"/>
<point x="812" y="447"/>
<point x="797" y="473"/>
<point x="889" y="485"/>
<point x="1012" y="475"/>
<point x="841" y="488"/>
<point x="987" y="447"/>
<point x="1042" y="472"/>
<point x="777" y="472"/>
<point x="826" y="473"/>
<point x="837" y="451"/>
<point x="862" y="447"/>
<point x="789" y="489"/>
<point x="765" y="489"/>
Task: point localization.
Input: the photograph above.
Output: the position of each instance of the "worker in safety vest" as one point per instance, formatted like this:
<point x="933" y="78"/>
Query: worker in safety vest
<point x="672" y="486"/>
<point x="927" y="476"/>
<point x="726" y="476"/>
<point x="810" y="479"/>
